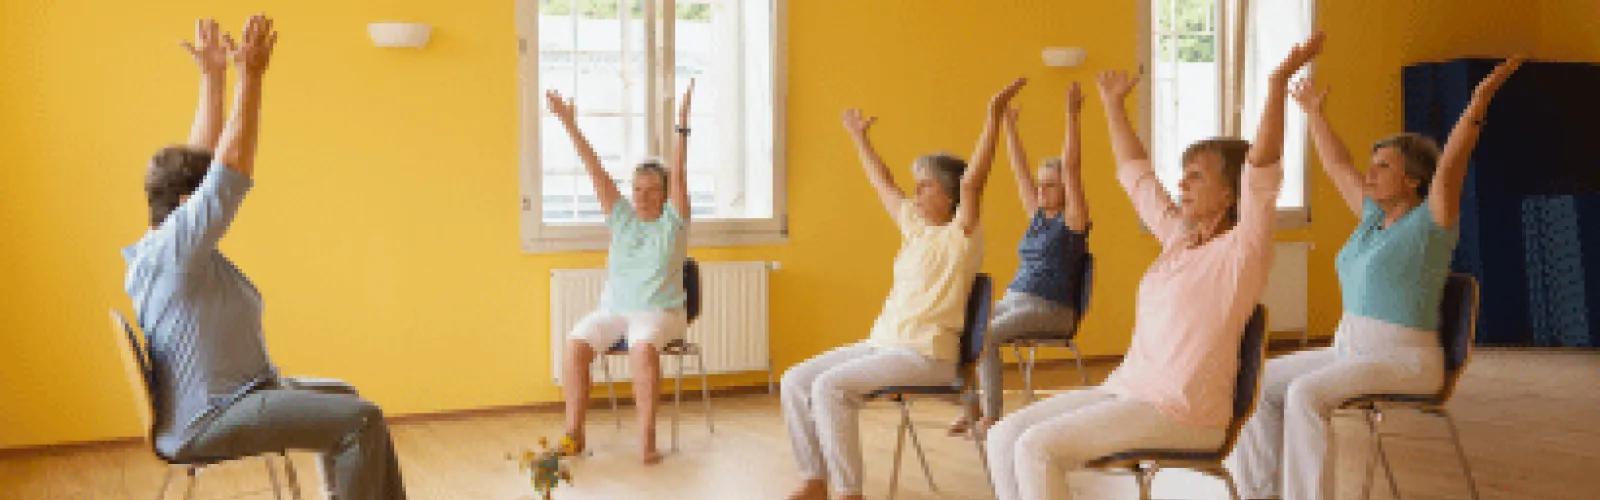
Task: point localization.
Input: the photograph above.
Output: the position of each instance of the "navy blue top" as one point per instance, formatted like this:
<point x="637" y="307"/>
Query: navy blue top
<point x="1052" y="260"/>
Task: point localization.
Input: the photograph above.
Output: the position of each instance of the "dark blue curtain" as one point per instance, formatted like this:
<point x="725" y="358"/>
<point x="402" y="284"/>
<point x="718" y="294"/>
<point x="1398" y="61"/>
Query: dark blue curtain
<point x="1530" y="209"/>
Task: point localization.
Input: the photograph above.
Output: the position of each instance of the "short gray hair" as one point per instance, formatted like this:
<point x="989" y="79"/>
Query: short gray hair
<point x="1421" y="156"/>
<point x="651" y="166"/>
<point x="946" y="169"/>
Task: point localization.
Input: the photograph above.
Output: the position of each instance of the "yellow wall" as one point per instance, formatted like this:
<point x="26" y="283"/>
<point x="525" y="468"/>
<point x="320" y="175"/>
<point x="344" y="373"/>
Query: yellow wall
<point x="383" y="228"/>
<point x="1569" y="30"/>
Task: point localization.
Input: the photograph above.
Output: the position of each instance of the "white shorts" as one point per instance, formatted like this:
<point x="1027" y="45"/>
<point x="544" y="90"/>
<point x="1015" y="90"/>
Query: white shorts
<point x="601" y="329"/>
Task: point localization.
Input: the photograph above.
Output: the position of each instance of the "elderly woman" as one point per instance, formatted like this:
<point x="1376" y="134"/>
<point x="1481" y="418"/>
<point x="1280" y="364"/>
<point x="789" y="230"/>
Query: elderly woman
<point x="644" y="297"/>
<point x="916" y="339"/>
<point x="217" y="392"/>
<point x="1043" y="296"/>
<point x="1392" y="273"/>
<point x="1174" y="387"/>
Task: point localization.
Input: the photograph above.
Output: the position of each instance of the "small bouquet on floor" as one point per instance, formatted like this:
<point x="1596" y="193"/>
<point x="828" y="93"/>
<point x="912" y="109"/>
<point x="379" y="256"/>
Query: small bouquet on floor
<point x="546" y="468"/>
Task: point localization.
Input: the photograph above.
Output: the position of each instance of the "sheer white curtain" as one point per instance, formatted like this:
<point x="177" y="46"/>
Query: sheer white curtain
<point x="1271" y="28"/>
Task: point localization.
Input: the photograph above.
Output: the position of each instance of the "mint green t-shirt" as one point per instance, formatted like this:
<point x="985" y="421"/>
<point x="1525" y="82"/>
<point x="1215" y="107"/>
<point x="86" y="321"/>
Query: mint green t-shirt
<point x="644" y="271"/>
<point x="1396" y="274"/>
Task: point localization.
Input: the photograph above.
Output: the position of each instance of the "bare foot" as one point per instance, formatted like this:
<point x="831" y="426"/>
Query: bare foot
<point x="811" y="490"/>
<point x="959" y="426"/>
<point x="650" y="457"/>
<point x="981" y="431"/>
<point x="578" y="442"/>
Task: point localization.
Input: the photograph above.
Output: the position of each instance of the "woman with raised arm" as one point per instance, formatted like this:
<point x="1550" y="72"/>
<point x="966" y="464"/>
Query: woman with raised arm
<point x="1174" y="388"/>
<point x="644" y="299"/>
<point x="1391" y="272"/>
<point x="1043" y="296"/>
<point x="218" y="393"/>
<point x="916" y="339"/>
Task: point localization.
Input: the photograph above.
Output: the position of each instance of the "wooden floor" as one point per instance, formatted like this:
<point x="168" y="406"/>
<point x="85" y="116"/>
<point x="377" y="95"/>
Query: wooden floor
<point x="1529" y="423"/>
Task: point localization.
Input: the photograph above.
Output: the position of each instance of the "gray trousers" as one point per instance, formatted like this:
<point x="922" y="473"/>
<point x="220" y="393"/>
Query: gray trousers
<point x="358" y="459"/>
<point x="1016" y="314"/>
<point x="822" y="398"/>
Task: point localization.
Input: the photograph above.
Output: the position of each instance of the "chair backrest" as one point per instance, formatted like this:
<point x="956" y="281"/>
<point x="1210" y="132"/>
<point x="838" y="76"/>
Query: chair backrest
<point x="1458" y="327"/>
<point x="979" y="302"/>
<point x="1085" y="286"/>
<point x="136" y="367"/>
<point x="691" y="285"/>
<point x="1247" y="382"/>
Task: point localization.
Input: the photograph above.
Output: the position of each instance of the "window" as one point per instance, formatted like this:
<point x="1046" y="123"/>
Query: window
<point x="1208" y="64"/>
<point x="624" y="63"/>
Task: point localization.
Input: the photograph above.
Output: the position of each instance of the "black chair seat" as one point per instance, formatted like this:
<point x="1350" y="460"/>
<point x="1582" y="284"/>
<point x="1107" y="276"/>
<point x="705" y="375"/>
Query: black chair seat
<point x="1167" y="457"/>
<point x="921" y="390"/>
<point x="1369" y="399"/>
<point x="672" y="347"/>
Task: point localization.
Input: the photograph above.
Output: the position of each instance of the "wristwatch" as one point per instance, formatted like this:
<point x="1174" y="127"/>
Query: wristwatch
<point x="683" y="130"/>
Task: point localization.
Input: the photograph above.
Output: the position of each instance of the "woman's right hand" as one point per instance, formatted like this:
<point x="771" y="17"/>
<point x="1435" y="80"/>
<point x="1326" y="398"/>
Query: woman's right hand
<point x="1010" y="116"/>
<point x="1116" y="85"/>
<point x="855" y="124"/>
<point x="210" y="47"/>
<point x="559" y="106"/>
<point x="1306" y="94"/>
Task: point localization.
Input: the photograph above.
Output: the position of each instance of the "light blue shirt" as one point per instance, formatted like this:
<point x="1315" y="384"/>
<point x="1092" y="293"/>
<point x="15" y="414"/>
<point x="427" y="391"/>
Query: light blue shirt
<point x="644" y="271"/>
<point x="1396" y="274"/>
<point x="201" y="314"/>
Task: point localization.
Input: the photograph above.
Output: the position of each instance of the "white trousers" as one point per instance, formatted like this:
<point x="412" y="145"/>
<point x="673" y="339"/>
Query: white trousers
<point x="1032" y="451"/>
<point x="1286" y="448"/>
<point x="823" y="395"/>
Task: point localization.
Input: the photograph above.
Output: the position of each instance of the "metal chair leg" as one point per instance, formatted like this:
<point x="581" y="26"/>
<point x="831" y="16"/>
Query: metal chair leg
<point x="1461" y="453"/>
<point x="272" y="475"/>
<point x="166" y="481"/>
<point x="916" y="442"/>
<point x="1372" y="459"/>
<point x="1083" y="376"/>
<point x="1027" y="374"/>
<point x="705" y="389"/>
<point x="1388" y="472"/>
<point x="899" y="448"/>
<point x="611" y="387"/>
<point x="1033" y="360"/>
<point x="677" y="398"/>
<point x="294" y="481"/>
<point x="1233" y="490"/>
<point x="983" y="458"/>
<point x="193" y="473"/>
<point x="1144" y="477"/>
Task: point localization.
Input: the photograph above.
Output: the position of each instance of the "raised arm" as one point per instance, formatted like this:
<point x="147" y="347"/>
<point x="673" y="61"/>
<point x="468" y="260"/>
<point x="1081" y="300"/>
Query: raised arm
<point x="605" y="188"/>
<point x="1076" y="213"/>
<point x="210" y="50"/>
<point x="1336" y="162"/>
<point x="977" y="174"/>
<point x="1444" y="196"/>
<point x="237" y="148"/>
<point x="1152" y="203"/>
<point x="877" y="173"/>
<point x="678" y="178"/>
<point x="1126" y="147"/>
<point x="1267" y="149"/>
<point x="1026" y="191"/>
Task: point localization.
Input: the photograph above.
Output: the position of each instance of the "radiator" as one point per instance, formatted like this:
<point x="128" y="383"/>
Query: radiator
<point x="731" y="330"/>
<point x="1285" y="296"/>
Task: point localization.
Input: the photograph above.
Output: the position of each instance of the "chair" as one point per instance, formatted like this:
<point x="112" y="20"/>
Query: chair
<point x="1144" y="464"/>
<point x="1066" y="337"/>
<point x="676" y="348"/>
<point x="979" y="302"/>
<point x="141" y="382"/>
<point x="1458" y="327"/>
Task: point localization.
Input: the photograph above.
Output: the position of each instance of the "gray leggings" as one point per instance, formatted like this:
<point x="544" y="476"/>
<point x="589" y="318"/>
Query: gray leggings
<point x="358" y="458"/>
<point x="1017" y="314"/>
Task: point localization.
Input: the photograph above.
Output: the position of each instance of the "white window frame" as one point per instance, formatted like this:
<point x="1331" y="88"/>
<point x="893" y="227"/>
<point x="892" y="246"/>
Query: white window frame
<point x="540" y="237"/>
<point x="1236" y="63"/>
